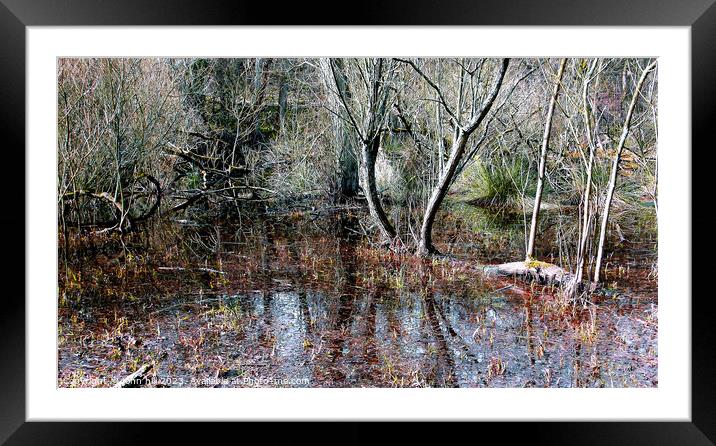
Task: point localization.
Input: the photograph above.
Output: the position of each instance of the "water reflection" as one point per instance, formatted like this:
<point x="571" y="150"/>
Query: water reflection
<point x="320" y="311"/>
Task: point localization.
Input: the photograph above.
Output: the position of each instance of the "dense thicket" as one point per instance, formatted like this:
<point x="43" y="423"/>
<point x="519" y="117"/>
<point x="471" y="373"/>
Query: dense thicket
<point x="145" y="138"/>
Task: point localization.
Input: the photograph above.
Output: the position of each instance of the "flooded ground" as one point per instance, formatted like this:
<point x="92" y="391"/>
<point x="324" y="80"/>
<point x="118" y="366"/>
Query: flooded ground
<point x="305" y="300"/>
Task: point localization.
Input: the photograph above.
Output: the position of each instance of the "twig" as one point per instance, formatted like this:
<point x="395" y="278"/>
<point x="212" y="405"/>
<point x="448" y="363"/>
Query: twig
<point x="178" y="268"/>
<point x="135" y="379"/>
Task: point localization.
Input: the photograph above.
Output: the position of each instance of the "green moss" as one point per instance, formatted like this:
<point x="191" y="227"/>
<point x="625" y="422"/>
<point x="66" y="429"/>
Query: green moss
<point x="532" y="263"/>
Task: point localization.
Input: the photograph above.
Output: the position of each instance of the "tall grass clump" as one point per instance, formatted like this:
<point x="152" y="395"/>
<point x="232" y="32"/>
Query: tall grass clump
<point x="502" y="185"/>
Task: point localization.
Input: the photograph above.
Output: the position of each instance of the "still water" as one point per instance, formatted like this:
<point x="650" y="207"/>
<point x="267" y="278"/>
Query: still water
<point x="309" y="302"/>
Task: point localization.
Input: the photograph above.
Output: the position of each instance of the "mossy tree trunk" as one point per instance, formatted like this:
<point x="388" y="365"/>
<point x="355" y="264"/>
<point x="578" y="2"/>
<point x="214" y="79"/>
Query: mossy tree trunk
<point x="347" y="168"/>
<point x="365" y="94"/>
<point x="369" y="154"/>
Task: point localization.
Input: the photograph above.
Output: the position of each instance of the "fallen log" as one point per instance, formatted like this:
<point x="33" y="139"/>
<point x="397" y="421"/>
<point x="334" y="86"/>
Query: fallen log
<point x="136" y="379"/>
<point x="532" y="271"/>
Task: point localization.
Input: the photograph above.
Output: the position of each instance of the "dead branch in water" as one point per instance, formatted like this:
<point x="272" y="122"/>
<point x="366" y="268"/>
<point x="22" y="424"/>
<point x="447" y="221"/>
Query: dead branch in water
<point x="121" y="206"/>
<point x="199" y="269"/>
<point x="136" y="379"/>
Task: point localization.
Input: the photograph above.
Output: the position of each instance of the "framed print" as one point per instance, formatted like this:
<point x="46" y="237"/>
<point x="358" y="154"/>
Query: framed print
<point x="428" y="215"/>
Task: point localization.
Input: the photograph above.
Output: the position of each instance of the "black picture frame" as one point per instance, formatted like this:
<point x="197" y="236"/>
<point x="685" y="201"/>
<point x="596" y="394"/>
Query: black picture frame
<point x="16" y="15"/>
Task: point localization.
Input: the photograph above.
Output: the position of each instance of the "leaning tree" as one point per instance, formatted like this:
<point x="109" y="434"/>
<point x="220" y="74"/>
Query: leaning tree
<point x="465" y="117"/>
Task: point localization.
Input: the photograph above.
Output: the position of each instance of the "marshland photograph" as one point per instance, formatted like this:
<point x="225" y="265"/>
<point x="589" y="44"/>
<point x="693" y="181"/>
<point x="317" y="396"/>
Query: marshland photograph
<point x="357" y="222"/>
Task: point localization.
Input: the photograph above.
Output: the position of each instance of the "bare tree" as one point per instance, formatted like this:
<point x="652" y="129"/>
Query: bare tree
<point x="543" y="161"/>
<point x="371" y="83"/>
<point x="587" y="212"/>
<point x="114" y="116"/>
<point x="615" y="168"/>
<point x="462" y="132"/>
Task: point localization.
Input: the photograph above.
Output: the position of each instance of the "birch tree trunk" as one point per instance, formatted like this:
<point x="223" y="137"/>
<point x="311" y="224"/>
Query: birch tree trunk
<point x="542" y="161"/>
<point x="615" y="170"/>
